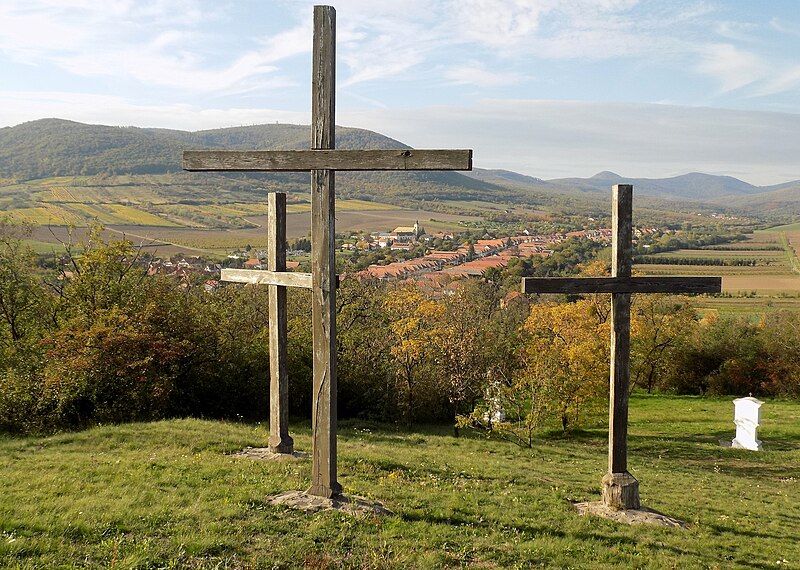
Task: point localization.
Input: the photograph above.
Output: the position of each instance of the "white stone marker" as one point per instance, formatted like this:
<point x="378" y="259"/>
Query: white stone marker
<point x="747" y="417"/>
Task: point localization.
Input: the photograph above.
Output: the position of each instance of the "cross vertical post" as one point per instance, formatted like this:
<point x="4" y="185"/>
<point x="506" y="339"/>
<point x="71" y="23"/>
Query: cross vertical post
<point x="619" y="486"/>
<point x="322" y="159"/>
<point x="279" y="439"/>
<point x="324" y="481"/>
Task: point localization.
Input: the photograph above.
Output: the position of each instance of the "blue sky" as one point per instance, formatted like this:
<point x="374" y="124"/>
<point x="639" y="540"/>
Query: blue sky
<point x="545" y="87"/>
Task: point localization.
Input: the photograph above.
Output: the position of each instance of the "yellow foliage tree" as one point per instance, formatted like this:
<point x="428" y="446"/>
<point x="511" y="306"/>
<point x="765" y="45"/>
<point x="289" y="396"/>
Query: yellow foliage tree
<point x="413" y="319"/>
<point x="660" y="324"/>
<point x="566" y="371"/>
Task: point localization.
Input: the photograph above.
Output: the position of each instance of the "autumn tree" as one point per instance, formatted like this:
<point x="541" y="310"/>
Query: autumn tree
<point x="413" y="319"/>
<point x="660" y="326"/>
<point x="462" y="345"/>
<point x="22" y="301"/>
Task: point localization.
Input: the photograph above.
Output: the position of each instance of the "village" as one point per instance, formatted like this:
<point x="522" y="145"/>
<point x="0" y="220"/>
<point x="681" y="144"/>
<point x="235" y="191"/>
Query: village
<point x="434" y="270"/>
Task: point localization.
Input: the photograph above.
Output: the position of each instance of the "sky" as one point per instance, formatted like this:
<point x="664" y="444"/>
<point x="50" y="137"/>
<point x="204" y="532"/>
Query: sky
<point x="548" y="88"/>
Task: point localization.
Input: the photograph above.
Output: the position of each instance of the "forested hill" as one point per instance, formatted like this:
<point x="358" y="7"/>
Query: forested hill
<point x="56" y="147"/>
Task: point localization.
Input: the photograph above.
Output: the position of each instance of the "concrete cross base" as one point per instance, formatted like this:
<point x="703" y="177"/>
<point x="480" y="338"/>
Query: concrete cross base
<point x="267" y="454"/>
<point x="641" y="515"/>
<point x="325" y="492"/>
<point x="621" y="491"/>
<point x="281" y="445"/>
<point x="303" y="501"/>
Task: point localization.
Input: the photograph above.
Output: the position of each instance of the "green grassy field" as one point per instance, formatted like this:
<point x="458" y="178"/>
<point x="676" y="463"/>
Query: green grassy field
<point x="785" y="228"/>
<point x="170" y="495"/>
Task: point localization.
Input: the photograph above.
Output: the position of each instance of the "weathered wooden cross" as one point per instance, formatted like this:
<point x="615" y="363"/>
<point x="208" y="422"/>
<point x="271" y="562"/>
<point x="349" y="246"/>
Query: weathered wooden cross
<point x="322" y="160"/>
<point x="620" y="488"/>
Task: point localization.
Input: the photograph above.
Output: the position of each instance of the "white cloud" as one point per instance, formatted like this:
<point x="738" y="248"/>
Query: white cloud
<point x="553" y="139"/>
<point x="475" y="73"/>
<point x="734" y="68"/>
<point x="20" y="106"/>
<point x="154" y="42"/>
<point x="785" y="81"/>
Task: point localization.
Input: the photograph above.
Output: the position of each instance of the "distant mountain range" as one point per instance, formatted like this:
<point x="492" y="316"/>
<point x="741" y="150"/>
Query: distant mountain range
<point x="55" y="147"/>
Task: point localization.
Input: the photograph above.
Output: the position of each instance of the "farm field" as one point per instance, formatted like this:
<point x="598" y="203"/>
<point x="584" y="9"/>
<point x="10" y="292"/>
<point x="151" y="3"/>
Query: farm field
<point x="752" y="306"/>
<point x="773" y="271"/>
<point x="170" y="494"/>
<point x="298" y="224"/>
<point x="169" y="238"/>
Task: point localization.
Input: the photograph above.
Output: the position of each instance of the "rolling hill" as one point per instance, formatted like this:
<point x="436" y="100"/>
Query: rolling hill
<point x="54" y="147"/>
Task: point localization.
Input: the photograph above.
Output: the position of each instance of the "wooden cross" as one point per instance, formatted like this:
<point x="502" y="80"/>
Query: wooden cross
<point x="620" y="488"/>
<point x="322" y="161"/>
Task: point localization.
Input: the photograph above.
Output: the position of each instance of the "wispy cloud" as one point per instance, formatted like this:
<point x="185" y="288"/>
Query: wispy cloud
<point x="552" y="139"/>
<point x="20" y="106"/>
<point x="476" y="73"/>
<point x="151" y="41"/>
<point x="732" y="67"/>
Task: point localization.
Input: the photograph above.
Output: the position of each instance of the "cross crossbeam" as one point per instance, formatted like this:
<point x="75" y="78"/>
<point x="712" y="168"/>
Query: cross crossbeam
<point x="304" y="160"/>
<point x="322" y="160"/>
<point x="265" y="277"/>
<point x="620" y="488"/>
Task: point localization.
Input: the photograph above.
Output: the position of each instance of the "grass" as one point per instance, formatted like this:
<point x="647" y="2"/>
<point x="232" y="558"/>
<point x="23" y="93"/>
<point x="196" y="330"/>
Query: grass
<point x="169" y="494"/>
<point x="795" y="227"/>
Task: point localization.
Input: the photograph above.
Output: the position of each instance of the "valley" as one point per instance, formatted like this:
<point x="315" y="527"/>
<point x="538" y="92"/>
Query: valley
<point x="58" y="177"/>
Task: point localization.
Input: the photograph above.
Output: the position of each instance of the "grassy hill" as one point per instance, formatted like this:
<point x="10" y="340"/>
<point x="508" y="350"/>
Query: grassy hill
<point x="56" y="148"/>
<point x="169" y="494"/>
<point x="785" y="199"/>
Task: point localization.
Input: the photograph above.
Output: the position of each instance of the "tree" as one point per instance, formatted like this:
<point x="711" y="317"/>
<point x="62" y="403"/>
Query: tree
<point x="660" y="326"/>
<point x="412" y="318"/>
<point x="462" y="347"/>
<point x="565" y="371"/>
<point x="22" y="301"/>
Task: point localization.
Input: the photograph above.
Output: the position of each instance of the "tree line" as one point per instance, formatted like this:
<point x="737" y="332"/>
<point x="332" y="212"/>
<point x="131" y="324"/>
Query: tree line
<point x="99" y="341"/>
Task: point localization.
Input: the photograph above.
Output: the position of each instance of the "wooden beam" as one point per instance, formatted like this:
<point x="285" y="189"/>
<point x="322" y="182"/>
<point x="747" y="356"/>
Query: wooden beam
<point x="658" y="284"/>
<point x="279" y="439"/>
<point x="263" y="277"/>
<point x="621" y="264"/>
<point x="324" y="481"/>
<point x="305" y="160"/>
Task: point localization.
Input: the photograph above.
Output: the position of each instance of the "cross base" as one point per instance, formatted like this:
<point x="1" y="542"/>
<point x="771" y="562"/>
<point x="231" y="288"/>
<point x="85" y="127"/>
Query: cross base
<point x="621" y="491"/>
<point x="278" y="444"/>
<point x="325" y="492"/>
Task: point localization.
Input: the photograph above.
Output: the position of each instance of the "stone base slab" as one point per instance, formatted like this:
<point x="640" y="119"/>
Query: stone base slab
<point x="641" y="515"/>
<point x="350" y="504"/>
<point x="266" y="454"/>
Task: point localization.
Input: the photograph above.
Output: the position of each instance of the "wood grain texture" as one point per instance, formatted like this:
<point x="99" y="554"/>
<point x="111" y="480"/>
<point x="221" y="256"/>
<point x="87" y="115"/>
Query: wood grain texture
<point x="264" y="277"/>
<point x="619" y="382"/>
<point x="305" y="160"/>
<point x="621" y="230"/>
<point x="279" y="439"/>
<point x="324" y="481"/>
<point x="657" y="284"/>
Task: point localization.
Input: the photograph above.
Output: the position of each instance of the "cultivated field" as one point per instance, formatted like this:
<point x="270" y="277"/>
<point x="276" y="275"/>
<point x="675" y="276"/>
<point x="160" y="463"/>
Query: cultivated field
<point x="171" y="495"/>
<point x="168" y="237"/>
<point x="769" y="271"/>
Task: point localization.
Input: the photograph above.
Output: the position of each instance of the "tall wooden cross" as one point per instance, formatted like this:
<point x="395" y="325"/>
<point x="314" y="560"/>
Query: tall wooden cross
<point x="620" y="488"/>
<point x="322" y="161"/>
